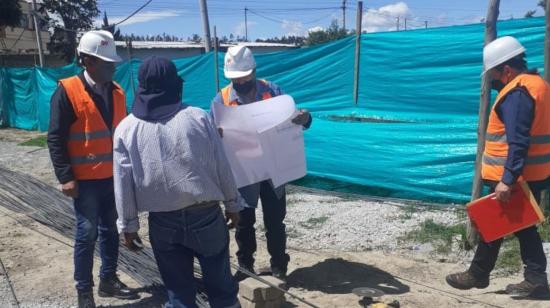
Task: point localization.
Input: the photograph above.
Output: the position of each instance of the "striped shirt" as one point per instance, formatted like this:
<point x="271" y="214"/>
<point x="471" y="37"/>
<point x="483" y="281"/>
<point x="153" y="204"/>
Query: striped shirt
<point x="169" y="165"/>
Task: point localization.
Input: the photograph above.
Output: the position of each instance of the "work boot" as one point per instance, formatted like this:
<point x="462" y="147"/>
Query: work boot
<point x="279" y="273"/>
<point x="528" y="289"/>
<point x="113" y="287"/>
<point x="466" y="281"/>
<point x="240" y="276"/>
<point x="86" y="299"/>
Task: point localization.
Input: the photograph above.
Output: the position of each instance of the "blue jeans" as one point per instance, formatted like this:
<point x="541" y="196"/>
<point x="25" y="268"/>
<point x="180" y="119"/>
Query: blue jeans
<point x="179" y="236"/>
<point x="96" y="214"/>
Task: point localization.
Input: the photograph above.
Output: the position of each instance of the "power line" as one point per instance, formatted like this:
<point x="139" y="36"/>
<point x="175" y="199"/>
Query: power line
<point x="134" y="13"/>
<point x="282" y="21"/>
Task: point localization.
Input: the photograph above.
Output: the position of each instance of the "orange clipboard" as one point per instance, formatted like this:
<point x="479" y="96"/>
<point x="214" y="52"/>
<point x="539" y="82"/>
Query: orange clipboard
<point x="494" y="219"/>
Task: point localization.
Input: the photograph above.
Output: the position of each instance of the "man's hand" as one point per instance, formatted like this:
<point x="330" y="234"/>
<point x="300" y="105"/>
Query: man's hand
<point x="503" y="192"/>
<point x="132" y="241"/>
<point x="302" y="118"/>
<point x="233" y="219"/>
<point x="70" y="189"/>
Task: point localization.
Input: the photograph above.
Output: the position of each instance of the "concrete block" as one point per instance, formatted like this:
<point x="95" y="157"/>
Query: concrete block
<point x="245" y="303"/>
<point x="256" y="291"/>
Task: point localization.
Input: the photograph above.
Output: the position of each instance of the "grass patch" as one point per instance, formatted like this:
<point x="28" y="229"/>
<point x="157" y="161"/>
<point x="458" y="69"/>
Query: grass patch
<point x="509" y="258"/>
<point x="36" y="142"/>
<point x="294" y="199"/>
<point x="407" y="212"/>
<point x="441" y="236"/>
<point x="315" y="222"/>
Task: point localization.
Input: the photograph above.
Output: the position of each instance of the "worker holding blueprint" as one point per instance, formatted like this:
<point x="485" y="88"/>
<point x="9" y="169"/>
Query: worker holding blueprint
<point x="263" y="140"/>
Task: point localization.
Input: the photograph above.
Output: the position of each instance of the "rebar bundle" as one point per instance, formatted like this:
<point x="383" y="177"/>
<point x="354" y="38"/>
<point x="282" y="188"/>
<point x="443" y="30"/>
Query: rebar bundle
<point x="24" y="194"/>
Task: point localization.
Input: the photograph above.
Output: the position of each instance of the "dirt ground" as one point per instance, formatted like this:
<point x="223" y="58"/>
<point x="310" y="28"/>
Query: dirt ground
<point x="38" y="265"/>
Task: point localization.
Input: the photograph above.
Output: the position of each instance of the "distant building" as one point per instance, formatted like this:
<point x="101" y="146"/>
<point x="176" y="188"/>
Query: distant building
<point x="18" y="45"/>
<point x="175" y="50"/>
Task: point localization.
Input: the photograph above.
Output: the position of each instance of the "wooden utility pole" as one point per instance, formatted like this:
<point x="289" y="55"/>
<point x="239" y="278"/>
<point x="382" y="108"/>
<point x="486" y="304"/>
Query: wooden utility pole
<point x="206" y="25"/>
<point x="547" y="44"/>
<point x="405" y="23"/>
<point x="344" y="15"/>
<point x="38" y="34"/>
<point x="426" y="24"/>
<point x="216" y="72"/>
<point x="129" y="50"/>
<point x="544" y="198"/>
<point x="484" y="100"/>
<point x="358" y="31"/>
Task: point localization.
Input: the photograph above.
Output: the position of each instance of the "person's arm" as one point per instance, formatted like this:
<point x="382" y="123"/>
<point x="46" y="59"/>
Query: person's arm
<point x="62" y="116"/>
<point x="125" y="197"/>
<point x="517" y="114"/>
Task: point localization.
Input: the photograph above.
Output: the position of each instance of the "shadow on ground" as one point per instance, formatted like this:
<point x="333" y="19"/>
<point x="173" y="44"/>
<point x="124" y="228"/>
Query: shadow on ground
<point x="338" y="276"/>
<point x="151" y="297"/>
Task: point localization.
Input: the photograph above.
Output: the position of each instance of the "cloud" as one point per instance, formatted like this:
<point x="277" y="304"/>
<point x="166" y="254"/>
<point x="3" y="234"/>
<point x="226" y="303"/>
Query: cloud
<point x="385" y="17"/>
<point x="315" y="29"/>
<point x="141" y="17"/>
<point x="240" y="28"/>
<point x="294" y="28"/>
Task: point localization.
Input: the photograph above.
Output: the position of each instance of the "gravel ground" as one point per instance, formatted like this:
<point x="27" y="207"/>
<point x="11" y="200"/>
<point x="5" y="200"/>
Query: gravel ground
<point x="344" y="224"/>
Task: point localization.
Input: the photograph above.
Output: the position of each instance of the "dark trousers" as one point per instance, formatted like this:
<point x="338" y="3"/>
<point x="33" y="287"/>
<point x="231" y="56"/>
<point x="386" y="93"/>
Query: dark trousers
<point x="96" y="214"/>
<point x="532" y="252"/>
<point x="274" y="212"/>
<point x="177" y="237"/>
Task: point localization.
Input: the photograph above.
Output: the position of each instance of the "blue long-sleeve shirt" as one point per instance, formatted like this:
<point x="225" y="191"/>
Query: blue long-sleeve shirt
<point x="517" y="113"/>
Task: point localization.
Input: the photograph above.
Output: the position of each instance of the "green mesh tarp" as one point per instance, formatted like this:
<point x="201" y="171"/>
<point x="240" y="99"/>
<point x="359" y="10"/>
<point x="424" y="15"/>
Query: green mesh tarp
<point x="412" y="135"/>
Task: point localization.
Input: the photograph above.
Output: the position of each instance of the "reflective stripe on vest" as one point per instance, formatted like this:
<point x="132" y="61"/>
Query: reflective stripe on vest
<point x="90" y="135"/>
<point x="226" y="94"/>
<point x="537" y="163"/>
<point x="542" y="139"/>
<point x="90" y="142"/>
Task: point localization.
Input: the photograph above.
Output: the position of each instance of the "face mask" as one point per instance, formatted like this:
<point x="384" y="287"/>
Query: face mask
<point x="244" y="88"/>
<point x="103" y="72"/>
<point x="497" y="85"/>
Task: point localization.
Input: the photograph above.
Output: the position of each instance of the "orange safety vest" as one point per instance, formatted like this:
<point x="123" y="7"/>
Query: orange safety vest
<point x="226" y="94"/>
<point x="90" y="142"/>
<point x="537" y="164"/>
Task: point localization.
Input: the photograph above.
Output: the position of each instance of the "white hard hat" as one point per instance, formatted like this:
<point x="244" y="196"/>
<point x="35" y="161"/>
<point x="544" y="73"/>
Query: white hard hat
<point x="99" y="43"/>
<point x="239" y="62"/>
<point x="500" y="51"/>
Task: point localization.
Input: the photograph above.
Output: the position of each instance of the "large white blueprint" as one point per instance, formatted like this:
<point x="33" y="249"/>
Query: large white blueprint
<point x="261" y="142"/>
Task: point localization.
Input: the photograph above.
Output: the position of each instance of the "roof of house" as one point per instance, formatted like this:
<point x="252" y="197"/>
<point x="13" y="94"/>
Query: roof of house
<point x="192" y="45"/>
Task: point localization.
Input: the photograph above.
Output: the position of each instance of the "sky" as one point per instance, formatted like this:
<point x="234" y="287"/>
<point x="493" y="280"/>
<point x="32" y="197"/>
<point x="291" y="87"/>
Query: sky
<point x="267" y="19"/>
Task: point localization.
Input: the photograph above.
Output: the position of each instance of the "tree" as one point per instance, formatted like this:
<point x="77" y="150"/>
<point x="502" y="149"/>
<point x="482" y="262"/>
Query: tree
<point x="111" y="28"/>
<point x="195" y="38"/>
<point x="334" y="32"/>
<point x="542" y="3"/>
<point x="530" y="13"/>
<point x="73" y="17"/>
<point x="10" y="13"/>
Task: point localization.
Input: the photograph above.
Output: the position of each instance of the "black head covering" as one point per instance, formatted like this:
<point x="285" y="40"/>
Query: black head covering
<point x="158" y="96"/>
